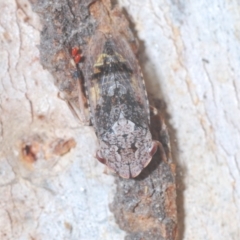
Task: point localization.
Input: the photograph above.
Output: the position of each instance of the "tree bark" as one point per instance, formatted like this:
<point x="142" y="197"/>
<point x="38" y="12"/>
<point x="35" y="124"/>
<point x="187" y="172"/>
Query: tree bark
<point x="51" y="185"/>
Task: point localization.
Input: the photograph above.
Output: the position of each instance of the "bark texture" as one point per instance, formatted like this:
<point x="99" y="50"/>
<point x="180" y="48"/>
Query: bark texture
<point x="51" y="185"/>
<point x="152" y="196"/>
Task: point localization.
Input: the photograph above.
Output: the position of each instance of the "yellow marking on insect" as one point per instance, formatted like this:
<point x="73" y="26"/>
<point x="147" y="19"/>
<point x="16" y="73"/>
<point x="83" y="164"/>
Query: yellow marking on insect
<point x="103" y="56"/>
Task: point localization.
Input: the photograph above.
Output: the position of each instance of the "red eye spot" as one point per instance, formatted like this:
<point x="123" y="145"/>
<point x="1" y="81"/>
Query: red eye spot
<point x="76" y="55"/>
<point x="74" y="51"/>
<point x="77" y="58"/>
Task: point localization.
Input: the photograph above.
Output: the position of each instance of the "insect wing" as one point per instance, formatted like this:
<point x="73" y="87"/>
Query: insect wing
<point x="118" y="105"/>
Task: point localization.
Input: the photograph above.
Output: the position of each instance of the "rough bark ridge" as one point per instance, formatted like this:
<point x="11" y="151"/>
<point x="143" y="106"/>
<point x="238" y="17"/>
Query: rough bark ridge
<point x="66" y="24"/>
<point x="144" y="207"/>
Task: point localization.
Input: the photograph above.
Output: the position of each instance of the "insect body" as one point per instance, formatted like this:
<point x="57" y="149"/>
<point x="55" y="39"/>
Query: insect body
<point x="119" y="108"/>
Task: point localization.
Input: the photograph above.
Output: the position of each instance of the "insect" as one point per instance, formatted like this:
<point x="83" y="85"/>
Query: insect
<point x="118" y="106"/>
